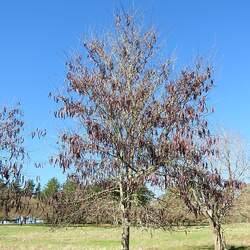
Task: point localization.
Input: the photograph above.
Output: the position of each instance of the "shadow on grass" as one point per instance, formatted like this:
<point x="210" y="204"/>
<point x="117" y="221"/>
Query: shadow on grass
<point x="78" y="225"/>
<point x="239" y="248"/>
<point x="229" y="248"/>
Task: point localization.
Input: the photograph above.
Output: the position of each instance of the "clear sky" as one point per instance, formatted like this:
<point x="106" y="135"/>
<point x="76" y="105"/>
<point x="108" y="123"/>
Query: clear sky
<point x="36" y="38"/>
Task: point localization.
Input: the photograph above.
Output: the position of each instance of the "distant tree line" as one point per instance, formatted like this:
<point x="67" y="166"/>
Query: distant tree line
<point x="68" y="204"/>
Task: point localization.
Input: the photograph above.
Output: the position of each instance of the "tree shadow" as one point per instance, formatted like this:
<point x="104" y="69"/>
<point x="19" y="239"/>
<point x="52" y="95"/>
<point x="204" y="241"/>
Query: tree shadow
<point x="229" y="248"/>
<point x="202" y="248"/>
<point x="239" y="248"/>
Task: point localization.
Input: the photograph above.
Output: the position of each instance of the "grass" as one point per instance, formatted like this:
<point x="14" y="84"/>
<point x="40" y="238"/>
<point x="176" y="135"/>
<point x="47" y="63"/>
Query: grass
<point x="102" y="238"/>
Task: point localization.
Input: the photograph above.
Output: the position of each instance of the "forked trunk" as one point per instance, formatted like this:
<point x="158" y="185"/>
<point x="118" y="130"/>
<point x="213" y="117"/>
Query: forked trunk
<point x="219" y="240"/>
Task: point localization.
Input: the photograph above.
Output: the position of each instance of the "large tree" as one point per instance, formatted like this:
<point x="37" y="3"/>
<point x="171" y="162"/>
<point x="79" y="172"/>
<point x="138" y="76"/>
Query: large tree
<point x="131" y="115"/>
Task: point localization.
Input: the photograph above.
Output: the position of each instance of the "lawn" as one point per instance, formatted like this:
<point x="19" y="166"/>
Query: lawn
<point x="90" y="237"/>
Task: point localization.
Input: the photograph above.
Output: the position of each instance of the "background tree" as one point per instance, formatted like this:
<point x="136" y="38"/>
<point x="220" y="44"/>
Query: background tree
<point x="38" y="190"/>
<point x="132" y="116"/>
<point x="177" y="212"/>
<point x="51" y="188"/>
<point x="29" y="188"/>
<point x="240" y="213"/>
<point x="70" y="186"/>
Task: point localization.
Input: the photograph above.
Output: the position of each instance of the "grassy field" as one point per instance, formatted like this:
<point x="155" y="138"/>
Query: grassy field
<point x="90" y="237"/>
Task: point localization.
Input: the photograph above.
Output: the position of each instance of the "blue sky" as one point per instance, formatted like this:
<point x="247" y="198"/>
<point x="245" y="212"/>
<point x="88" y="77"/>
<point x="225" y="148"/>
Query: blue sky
<point x="37" y="37"/>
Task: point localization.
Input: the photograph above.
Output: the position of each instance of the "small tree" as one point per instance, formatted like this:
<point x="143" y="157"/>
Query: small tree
<point x="211" y="188"/>
<point x="131" y="114"/>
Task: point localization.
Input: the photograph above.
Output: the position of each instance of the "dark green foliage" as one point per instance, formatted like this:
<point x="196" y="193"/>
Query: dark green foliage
<point x="51" y="188"/>
<point x="69" y="187"/>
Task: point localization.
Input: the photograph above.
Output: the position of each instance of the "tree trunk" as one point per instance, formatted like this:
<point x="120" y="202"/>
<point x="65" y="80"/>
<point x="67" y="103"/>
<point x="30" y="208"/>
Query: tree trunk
<point x="125" y="207"/>
<point x="219" y="240"/>
<point x="125" y="233"/>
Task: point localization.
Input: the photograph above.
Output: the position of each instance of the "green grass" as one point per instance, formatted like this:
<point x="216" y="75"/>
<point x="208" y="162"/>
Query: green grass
<point x="91" y="237"/>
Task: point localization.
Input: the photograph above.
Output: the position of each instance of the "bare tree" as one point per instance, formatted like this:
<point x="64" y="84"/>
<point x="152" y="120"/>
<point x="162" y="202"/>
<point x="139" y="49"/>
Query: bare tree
<point x="131" y="115"/>
<point x="211" y="188"/>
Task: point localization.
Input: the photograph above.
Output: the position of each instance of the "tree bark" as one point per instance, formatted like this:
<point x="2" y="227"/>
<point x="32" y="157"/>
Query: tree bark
<point x="125" y="207"/>
<point x="219" y="240"/>
<point x="125" y="204"/>
<point x="125" y="234"/>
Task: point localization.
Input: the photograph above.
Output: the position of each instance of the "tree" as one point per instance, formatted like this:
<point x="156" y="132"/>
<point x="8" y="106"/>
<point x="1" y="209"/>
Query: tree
<point x="12" y="155"/>
<point x="38" y="190"/>
<point x="69" y="187"/>
<point x="176" y="210"/>
<point x="29" y="188"/>
<point x="211" y="188"/>
<point x="240" y="213"/>
<point x="11" y="144"/>
<point x="51" y="188"/>
<point x="132" y="115"/>
<point x="13" y="187"/>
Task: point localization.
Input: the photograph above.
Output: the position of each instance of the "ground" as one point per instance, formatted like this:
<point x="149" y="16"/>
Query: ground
<point x="93" y="238"/>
